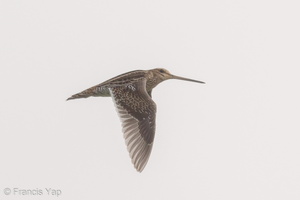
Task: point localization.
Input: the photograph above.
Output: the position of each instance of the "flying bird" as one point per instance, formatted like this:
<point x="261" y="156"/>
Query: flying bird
<point x="131" y="94"/>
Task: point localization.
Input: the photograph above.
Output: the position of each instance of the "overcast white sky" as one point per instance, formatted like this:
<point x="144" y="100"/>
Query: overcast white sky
<point x="237" y="137"/>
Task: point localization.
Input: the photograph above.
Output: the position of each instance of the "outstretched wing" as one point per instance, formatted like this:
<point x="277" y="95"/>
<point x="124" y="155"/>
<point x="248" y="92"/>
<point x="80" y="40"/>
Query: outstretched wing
<point x="137" y="112"/>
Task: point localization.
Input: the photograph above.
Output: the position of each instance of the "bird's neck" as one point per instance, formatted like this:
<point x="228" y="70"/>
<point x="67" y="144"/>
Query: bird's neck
<point x="152" y="82"/>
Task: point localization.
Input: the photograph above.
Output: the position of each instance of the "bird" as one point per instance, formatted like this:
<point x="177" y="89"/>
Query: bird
<point x="131" y="94"/>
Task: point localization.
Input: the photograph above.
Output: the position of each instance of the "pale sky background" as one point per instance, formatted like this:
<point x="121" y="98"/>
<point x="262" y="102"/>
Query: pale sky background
<point x="237" y="137"/>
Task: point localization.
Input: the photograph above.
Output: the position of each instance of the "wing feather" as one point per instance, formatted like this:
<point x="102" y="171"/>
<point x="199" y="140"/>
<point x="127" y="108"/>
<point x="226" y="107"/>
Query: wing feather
<point x="137" y="112"/>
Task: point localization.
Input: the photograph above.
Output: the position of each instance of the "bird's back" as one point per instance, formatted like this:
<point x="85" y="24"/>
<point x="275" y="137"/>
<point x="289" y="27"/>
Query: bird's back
<point x="102" y="89"/>
<point x="125" y="79"/>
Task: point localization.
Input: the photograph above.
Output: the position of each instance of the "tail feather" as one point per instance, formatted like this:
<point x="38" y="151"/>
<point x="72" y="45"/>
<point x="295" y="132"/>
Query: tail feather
<point x="77" y="96"/>
<point x="84" y="94"/>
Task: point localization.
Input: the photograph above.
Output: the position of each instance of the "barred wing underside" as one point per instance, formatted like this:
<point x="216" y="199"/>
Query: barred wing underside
<point x="137" y="112"/>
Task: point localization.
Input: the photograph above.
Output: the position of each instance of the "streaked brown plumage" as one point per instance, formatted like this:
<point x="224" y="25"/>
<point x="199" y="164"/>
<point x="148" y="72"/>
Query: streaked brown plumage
<point x="131" y="93"/>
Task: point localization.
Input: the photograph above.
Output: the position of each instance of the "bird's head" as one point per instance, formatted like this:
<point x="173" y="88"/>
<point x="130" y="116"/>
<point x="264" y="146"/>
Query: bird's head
<point x="163" y="74"/>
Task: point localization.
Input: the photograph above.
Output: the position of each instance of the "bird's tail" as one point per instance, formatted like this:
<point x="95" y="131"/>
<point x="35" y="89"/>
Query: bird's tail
<point x="84" y="94"/>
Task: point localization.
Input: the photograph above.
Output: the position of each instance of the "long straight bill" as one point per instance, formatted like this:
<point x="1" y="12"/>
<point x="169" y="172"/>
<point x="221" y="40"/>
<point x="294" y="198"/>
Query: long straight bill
<point x="186" y="79"/>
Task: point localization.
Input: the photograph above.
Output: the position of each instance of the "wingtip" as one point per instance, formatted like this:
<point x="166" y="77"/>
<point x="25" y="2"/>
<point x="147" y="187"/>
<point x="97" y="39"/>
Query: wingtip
<point x="139" y="170"/>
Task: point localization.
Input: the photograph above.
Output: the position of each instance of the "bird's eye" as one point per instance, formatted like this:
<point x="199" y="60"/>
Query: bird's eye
<point x="162" y="71"/>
